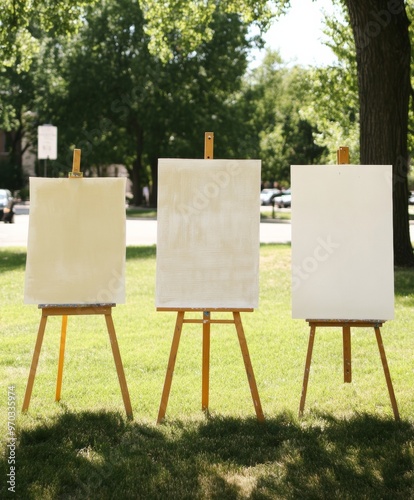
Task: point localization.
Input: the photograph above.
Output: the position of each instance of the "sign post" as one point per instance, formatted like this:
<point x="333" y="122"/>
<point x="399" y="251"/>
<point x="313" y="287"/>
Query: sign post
<point x="46" y="144"/>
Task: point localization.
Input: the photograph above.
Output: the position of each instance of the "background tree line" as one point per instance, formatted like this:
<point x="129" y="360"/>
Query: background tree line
<point x="135" y="81"/>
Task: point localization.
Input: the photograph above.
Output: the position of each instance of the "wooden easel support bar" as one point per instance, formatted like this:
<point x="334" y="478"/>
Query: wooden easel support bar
<point x="346" y="325"/>
<point x="76" y="310"/>
<point x="211" y="309"/>
<point x="206" y="361"/>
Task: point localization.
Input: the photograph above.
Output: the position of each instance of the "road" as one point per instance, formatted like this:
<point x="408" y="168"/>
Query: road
<point x="138" y="231"/>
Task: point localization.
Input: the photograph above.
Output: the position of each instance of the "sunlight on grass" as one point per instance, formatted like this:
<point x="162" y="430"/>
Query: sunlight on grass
<point x="346" y="446"/>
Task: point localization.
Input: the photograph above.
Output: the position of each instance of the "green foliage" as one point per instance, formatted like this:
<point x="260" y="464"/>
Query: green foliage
<point x="334" y="108"/>
<point x="112" y="98"/>
<point x="190" y="21"/>
<point x="277" y="95"/>
<point x="21" y="21"/>
<point x="10" y="175"/>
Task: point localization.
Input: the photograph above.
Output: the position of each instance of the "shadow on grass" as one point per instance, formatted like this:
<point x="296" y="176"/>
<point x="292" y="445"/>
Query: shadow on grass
<point x="11" y="260"/>
<point x="102" y="456"/>
<point x="404" y="281"/>
<point x="138" y="252"/>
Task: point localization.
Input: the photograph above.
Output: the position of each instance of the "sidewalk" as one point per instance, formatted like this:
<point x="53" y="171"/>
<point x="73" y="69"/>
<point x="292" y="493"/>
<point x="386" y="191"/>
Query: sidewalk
<point x="138" y="231"/>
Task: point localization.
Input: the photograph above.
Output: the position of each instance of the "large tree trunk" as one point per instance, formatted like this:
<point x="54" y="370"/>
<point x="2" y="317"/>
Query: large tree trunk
<point x="383" y="52"/>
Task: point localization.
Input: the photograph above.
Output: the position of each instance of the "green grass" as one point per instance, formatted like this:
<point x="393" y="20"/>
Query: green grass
<point x="141" y="213"/>
<point x="274" y="215"/>
<point x="150" y="213"/>
<point x="347" y="445"/>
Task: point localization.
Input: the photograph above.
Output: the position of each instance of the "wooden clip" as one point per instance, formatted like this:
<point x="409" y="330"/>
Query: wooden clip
<point x="76" y="173"/>
<point x="342" y="156"/>
<point x="208" y="145"/>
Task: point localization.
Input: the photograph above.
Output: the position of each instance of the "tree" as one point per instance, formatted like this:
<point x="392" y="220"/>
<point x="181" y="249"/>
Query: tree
<point x="121" y="104"/>
<point x="380" y="29"/>
<point x="383" y="54"/>
<point x="275" y="95"/>
<point x="16" y="102"/>
<point x="20" y="22"/>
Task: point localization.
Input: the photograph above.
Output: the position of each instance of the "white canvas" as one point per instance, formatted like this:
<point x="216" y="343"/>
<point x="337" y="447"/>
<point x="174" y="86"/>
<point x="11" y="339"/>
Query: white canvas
<point x="342" y="242"/>
<point x="76" y="241"/>
<point x="208" y="233"/>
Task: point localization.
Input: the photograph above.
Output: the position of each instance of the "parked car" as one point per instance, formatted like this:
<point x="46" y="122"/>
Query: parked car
<point x="283" y="199"/>
<point x="267" y="194"/>
<point x="411" y="198"/>
<point x="6" y="206"/>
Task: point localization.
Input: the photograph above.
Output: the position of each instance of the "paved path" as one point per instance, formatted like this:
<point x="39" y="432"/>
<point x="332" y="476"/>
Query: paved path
<point x="138" y="232"/>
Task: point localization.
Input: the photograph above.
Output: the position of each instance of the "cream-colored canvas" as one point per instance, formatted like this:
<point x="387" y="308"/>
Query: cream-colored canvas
<point x="76" y="241"/>
<point x="342" y="242"/>
<point x="208" y="233"/>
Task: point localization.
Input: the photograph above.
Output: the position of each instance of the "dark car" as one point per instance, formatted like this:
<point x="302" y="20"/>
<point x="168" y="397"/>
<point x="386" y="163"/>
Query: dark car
<point x="6" y="206"/>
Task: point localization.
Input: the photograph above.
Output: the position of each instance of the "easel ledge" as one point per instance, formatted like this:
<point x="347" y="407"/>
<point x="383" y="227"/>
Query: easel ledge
<point x="346" y="325"/>
<point x="206" y="321"/>
<point x="66" y="310"/>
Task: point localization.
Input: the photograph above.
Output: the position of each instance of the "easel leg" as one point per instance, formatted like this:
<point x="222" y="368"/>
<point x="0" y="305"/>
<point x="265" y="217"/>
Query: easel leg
<point x="248" y="366"/>
<point x="171" y="365"/>
<point x="35" y="360"/>
<point x="307" y="369"/>
<point x="61" y="357"/>
<point x="387" y="373"/>
<point x="118" y="364"/>
<point x="206" y="361"/>
<point x="346" y="332"/>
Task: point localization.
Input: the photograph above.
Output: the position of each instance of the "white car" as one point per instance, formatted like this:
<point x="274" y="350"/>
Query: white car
<point x="267" y="194"/>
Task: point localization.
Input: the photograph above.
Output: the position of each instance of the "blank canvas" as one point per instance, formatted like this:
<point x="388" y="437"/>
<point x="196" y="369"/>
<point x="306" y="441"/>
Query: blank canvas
<point x="208" y="233"/>
<point x="342" y="242"/>
<point x="76" y="241"/>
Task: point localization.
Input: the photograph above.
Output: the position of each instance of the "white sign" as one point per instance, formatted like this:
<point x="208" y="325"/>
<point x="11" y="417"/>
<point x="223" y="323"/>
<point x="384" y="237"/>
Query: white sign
<point x="342" y="242"/>
<point x="208" y="233"/>
<point x="47" y="142"/>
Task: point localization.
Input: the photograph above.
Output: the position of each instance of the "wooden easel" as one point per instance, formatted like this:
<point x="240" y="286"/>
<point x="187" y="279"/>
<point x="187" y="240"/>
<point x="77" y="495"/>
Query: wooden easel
<point x="206" y="321"/>
<point x="342" y="159"/>
<point x="75" y="310"/>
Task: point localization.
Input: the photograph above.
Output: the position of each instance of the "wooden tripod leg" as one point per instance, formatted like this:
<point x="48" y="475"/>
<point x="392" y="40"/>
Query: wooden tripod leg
<point x="346" y="332"/>
<point x="206" y="361"/>
<point x="171" y="365"/>
<point x="35" y="360"/>
<point x="118" y="364"/>
<point x="61" y="357"/>
<point x="248" y="366"/>
<point x="387" y="373"/>
<point x="307" y="369"/>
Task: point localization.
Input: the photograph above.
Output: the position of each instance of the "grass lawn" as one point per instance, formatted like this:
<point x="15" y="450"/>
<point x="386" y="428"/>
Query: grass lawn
<point x="347" y="445"/>
<point x="141" y="213"/>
